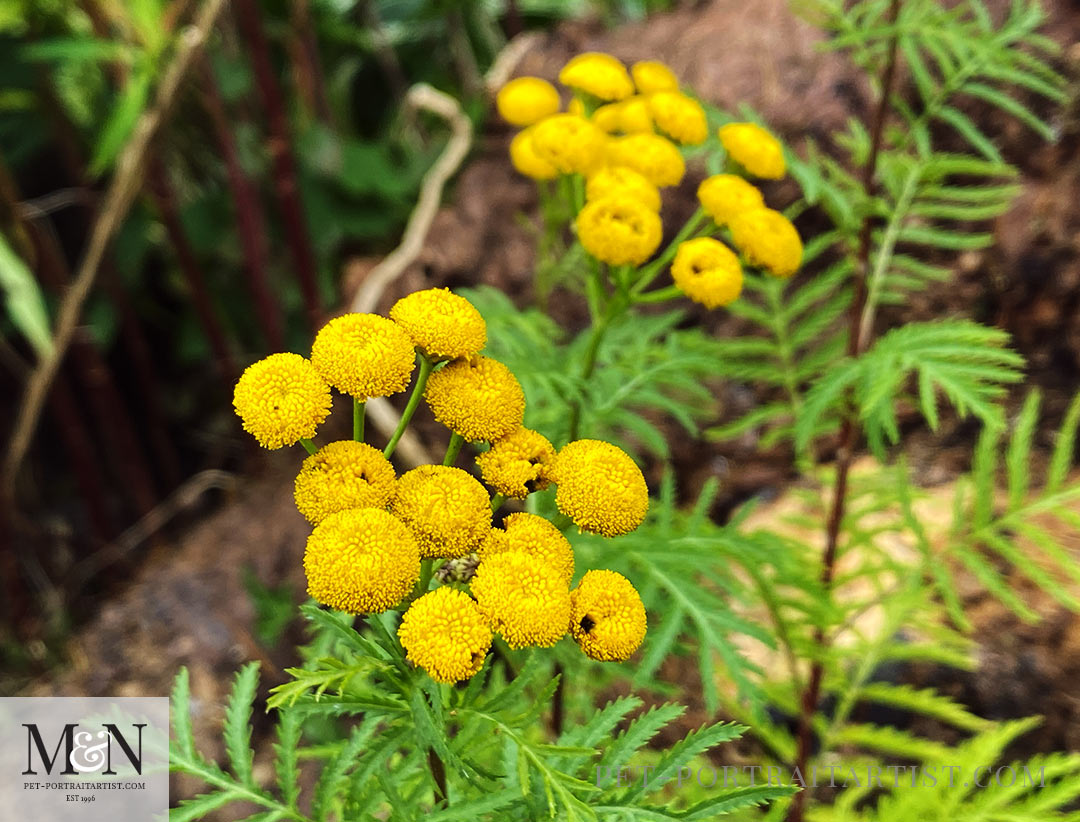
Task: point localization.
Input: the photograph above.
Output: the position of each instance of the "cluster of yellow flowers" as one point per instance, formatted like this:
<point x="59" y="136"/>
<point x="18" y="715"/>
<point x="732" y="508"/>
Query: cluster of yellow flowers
<point x="619" y="133"/>
<point x="377" y="536"/>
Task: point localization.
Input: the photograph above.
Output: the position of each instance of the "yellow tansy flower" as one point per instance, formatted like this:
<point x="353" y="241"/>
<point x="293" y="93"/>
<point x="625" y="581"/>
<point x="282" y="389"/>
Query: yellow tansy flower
<point x="599" y="487"/>
<point x="635" y="116"/>
<point x="608" y="118"/>
<point x="607" y="616"/>
<point x="446" y="509"/>
<point x="723" y="196"/>
<point x="281" y="400"/>
<point x="477" y="398"/>
<point x="524" y="158"/>
<point x="343" y="475"/>
<point x="516" y="463"/>
<point x="680" y="117"/>
<point x="598" y="74"/>
<point x="570" y="144"/>
<point x="651" y="76"/>
<point x="619" y="230"/>
<point x="769" y="240"/>
<point x="618" y="180"/>
<point x="752" y="147"/>
<point x="444" y="633"/>
<point x="655" y="157"/>
<point x="364" y="355"/>
<point x="526" y="100"/>
<point x="534" y="536"/>
<point x="362" y="561"/>
<point x="523" y="600"/>
<point x="442" y="325"/>
<point x="707" y="271"/>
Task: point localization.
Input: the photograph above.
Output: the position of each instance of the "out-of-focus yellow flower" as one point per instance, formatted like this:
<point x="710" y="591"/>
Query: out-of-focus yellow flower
<point x="527" y="100"/>
<point x="364" y="355"/>
<point x="707" y="271"/>
<point x="680" y="117"/>
<point x="752" y="147"/>
<point x="635" y="116"/>
<point x="598" y="74"/>
<point x="607" y="118"/>
<point x="723" y="196"/>
<point x="607" y="616"/>
<point x="769" y="240"/>
<point x="576" y="106"/>
<point x="524" y="601"/>
<point x="568" y="143"/>
<point x="620" y="180"/>
<point x="651" y="76"/>
<point x="534" y="536"/>
<point x="524" y="158"/>
<point x="619" y="230"/>
<point x="446" y="509"/>
<point x="476" y="397"/>
<point x="362" y="561"/>
<point x="516" y="464"/>
<point x="599" y="487"/>
<point x="442" y="325"/>
<point x="655" y="157"/>
<point x="343" y="475"/>
<point x="281" y="400"/>
<point x="444" y="633"/>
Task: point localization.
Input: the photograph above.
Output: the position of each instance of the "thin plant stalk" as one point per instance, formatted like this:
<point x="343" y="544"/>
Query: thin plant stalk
<point x="358" y="420"/>
<point x="426" y="367"/>
<point x="453" y="448"/>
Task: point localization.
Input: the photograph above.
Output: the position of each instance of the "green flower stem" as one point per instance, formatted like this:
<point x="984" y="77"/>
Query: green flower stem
<point x="578" y="183"/>
<point x="660" y="295"/>
<point x="358" y="419"/>
<point x="309" y="445"/>
<point x="426" y="367"/>
<point x="427" y="570"/>
<point x="453" y="449"/>
<point x="497" y="501"/>
<point x="653" y="269"/>
<point x="596" y="337"/>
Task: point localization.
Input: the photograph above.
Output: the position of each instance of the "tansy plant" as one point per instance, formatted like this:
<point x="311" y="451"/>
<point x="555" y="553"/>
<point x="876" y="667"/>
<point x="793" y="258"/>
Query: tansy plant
<point x="440" y="704"/>
<point x="454" y="694"/>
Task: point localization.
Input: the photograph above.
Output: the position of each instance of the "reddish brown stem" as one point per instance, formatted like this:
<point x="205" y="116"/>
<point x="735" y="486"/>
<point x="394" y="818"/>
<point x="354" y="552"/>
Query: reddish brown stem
<point x="165" y="198"/>
<point x="311" y="80"/>
<point x="286" y="181"/>
<point x="849" y="430"/>
<point x="250" y="223"/>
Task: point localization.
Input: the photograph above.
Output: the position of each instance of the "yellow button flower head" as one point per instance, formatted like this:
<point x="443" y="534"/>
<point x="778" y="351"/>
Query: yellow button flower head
<point x="754" y="149"/>
<point x="619" y="230"/>
<point x="651" y="76"/>
<point x="707" y="271"/>
<point x="656" y="157"/>
<point x="569" y="143"/>
<point x="527" y="100"/>
<point x="725" y="195"/>
<point x="362" y="561"/>
<point x="534" y="536"/>
<point x="446" y="509"/>
<point x="523" y="600"/>
<point x="608" y="118"/>
<point x="364" y="355"/>
<point x="598" y="74"/>
<point x="608" y="617"/>
<point x="442" y="325"/>
<point x="680" y="117"/>
<point x="516" y="464"/>
<point x="444" y="633"/>
<point x="769" y="240"/>
<point x="281" y="400"/>
<point x="477" y="398"/>
<point x="576" y="106"/>
<point x="600" y="487"/>
<point x="524" y="158"/>
<point x="618" y="180"/>
<point x="635" y="116"/>
<point x="343" y="475"/>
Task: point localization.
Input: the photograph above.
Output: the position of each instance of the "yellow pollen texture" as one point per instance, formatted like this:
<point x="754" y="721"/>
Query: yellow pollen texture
<point x="343" y="475"/>
<point x="600" y="488"/>
<point x="523" y="600"/>
<point x="607" y="616"/>
<point x="477" y="398"/>
<point x="446" y="509"/>
<point x="444" y="633"/>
